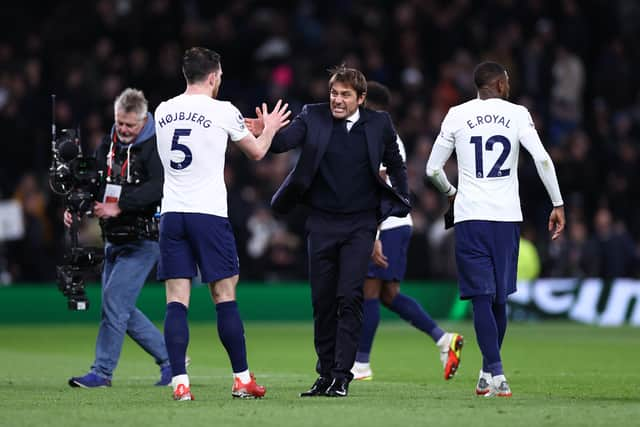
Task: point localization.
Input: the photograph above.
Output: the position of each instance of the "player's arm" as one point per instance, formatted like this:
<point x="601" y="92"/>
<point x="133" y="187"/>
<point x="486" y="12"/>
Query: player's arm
<point x="440" y="153"/>
<point x="435" y="169"/>
<point x="530" y="140"/>
<point x="256" y="148"/>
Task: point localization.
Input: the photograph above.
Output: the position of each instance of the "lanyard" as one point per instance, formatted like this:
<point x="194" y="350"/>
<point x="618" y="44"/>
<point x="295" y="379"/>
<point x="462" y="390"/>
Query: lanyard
<point x="112" y="154"/>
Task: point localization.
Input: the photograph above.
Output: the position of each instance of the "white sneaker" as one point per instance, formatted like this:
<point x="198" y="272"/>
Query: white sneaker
<point x="499" y="387"/>
<point x="362" y="371"/>
<point x="484" y="383"/>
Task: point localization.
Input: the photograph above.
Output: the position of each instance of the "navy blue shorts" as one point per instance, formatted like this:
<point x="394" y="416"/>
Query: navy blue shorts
<point x="191" y="240"/>
<point x="395" y="242"/>
<point x="487" y="258"/>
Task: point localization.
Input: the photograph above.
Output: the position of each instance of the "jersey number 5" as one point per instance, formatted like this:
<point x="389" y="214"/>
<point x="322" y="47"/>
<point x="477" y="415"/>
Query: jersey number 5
<point x="495" y="171"/>
<point x="175" y="145"/>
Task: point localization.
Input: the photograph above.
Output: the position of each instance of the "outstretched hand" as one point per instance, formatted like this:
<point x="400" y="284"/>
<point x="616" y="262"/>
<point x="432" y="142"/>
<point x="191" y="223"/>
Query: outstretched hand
<point x="278" y="118"/>
<point x="556" y="222"/>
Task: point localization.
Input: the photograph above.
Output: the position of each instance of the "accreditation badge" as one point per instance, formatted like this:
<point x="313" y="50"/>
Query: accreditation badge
<point x="112" y="193"/>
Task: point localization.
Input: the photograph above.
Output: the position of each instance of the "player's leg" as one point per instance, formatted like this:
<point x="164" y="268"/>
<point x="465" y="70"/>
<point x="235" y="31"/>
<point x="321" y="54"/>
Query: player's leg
<point x="370" y="319"/>
<point x="505" y="257"/>
<point x="176" y="335"/>
<point x="230" y="327"/>
<point x="500" y="315"/>
<point x="231" y="333"/>
<point x="214" y="245"/>
<point x="177" y="265"/>
<point x="449" y="343"/>
<point x="477" y="281"/>
<point x="409" y="310"/>
<point x="504" y="253"/>
<point x="489" y="385"/>
<point x="395" y="244"/>
<point x="487" y="333"/>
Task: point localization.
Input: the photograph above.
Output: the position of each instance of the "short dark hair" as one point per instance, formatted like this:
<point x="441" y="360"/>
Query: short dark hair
<point x="378" y="96"/>
<point x="198" y="63"/>
<point x="487" y="71"/>
<point x="349" y="76"/>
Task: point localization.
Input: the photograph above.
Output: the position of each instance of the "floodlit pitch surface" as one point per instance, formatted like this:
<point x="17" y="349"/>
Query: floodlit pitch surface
<point x="561" y="374"/>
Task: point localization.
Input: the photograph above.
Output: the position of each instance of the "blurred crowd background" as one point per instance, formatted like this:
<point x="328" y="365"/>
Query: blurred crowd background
<point x="574" y="64"/>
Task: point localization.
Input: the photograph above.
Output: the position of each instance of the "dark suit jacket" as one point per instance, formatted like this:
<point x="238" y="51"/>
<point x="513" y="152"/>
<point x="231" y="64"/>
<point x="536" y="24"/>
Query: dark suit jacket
<point x="311" y="129"/>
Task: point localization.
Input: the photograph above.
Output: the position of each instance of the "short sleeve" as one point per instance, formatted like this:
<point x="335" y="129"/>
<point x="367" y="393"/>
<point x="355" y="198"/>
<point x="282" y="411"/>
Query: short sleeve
<point x="233" y="123"/>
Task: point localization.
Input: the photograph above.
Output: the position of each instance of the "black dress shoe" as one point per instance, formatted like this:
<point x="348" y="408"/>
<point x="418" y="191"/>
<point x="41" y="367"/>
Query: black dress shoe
<point x="318" y="388"/>
<point x="339" y="388"/>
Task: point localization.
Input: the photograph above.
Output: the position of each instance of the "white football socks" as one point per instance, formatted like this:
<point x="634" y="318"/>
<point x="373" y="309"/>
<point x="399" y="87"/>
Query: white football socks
<point x="245" y="376"/>
<point x="361" y="366"/>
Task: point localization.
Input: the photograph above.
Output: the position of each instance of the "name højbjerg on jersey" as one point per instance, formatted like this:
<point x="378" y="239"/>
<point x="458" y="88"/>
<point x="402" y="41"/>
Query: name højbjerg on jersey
<point x="197" y="118"/>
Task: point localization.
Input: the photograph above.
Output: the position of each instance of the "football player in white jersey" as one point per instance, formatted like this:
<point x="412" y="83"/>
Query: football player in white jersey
<point x="486" y="134"/>
<point x="386" y="271"/>
<point x="192" y="132"/>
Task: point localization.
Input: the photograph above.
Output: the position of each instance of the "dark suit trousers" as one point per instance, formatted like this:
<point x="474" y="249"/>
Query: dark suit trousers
<point x="339" y="248"/>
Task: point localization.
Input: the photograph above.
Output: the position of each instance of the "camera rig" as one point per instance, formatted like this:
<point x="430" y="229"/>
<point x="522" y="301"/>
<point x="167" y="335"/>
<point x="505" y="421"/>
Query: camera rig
<point x="76" y="178"/>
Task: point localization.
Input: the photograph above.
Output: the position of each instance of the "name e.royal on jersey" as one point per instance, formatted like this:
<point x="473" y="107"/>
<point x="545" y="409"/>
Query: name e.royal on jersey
<point x="182" y="116"/>
<point x="489" y="118"/>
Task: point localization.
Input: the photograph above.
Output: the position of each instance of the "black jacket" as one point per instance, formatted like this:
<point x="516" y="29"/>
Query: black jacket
<point x="141" y="196"/>
<point x="311" y="129"/>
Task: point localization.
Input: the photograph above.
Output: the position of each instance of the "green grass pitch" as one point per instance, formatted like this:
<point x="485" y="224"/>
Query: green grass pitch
<point x="561" y="374"/>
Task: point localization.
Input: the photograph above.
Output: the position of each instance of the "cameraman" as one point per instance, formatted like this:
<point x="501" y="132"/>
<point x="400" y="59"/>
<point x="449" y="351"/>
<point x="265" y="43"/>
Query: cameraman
<point x="130" y="191"/>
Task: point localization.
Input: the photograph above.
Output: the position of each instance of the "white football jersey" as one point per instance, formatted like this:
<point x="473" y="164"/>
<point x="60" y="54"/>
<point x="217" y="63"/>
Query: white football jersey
<point x="486" y="135"/>
<point x="192" y="133"/>
<point x="394" y="221"/>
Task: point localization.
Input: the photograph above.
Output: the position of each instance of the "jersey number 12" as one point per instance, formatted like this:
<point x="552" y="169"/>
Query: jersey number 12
<point x="495" y="171"/>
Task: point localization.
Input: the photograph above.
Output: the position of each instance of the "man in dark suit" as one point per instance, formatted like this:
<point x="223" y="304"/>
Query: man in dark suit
<point x="336" y="176"/>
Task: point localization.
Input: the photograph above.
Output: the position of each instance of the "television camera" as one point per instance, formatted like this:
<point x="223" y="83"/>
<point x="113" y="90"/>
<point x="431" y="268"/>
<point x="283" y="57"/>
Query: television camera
<point x="75" y="177"/>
